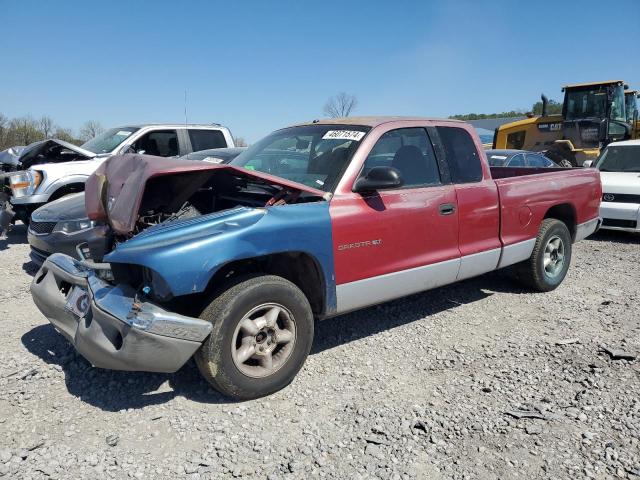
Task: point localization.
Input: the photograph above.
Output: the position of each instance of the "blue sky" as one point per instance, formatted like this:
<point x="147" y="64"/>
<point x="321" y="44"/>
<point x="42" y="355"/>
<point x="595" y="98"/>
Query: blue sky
<point x="257" y="66"/>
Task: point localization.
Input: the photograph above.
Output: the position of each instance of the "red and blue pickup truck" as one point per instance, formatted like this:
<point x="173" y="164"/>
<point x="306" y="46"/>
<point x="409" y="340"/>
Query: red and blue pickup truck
<point x="233" y="263"/>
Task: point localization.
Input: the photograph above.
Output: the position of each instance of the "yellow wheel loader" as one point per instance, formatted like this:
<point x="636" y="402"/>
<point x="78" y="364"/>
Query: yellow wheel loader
<point x="631" y="105"/>
<point x="593" y="115"/>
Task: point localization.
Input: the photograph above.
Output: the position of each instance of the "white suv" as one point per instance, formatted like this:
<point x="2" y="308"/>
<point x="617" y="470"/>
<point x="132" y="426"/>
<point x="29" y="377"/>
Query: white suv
<point x="54" y="168"/>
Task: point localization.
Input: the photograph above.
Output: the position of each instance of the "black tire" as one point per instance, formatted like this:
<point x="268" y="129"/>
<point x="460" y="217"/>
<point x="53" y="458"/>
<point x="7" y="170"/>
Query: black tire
<point x="532" y="272"/>
<point x="215" y="359"/>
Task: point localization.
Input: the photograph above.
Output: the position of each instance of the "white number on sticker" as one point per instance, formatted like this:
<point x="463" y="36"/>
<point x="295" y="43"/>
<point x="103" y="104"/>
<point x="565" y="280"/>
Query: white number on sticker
<point x="343" y="135"/>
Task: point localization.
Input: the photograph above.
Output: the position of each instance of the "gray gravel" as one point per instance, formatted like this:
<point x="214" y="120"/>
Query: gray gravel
<point x="476" y="380"/>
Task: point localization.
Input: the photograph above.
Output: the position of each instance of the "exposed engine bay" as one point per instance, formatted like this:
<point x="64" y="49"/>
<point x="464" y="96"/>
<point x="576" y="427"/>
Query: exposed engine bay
<point x="222" y="191"/>
<point x="49" y="151"/>
<point x="131" y="193"/>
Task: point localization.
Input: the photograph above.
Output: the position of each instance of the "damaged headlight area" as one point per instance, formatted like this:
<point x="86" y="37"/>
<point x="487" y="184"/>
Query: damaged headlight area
<point x="74" y="226"/>
<point x="155" y="287"/>
<point x="24" y="183"/>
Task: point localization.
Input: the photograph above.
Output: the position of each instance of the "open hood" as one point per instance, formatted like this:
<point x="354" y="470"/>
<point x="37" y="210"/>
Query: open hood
<point x="116" y="190"/>
<point x="11" y="155"/>
<point x="52" y="151"/>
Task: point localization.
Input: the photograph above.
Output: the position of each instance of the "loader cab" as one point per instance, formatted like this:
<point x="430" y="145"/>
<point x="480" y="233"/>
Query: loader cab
<point x="631" y="105"/>
<point x="594" y="114"/>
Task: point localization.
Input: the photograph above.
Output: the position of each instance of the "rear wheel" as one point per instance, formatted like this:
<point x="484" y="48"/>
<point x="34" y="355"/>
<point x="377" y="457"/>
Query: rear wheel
<point x="549" y="262"/>
<point x="262" y="334"/>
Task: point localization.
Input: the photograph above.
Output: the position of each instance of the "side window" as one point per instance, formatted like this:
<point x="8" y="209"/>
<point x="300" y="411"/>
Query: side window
<point x="410" y="152"/>
<point x="163" y="143"/>
<point x="461" y="155"/>
<point x="516" y="140"/>
<point x="206" y="139"/>
<point x="517" y="161"/>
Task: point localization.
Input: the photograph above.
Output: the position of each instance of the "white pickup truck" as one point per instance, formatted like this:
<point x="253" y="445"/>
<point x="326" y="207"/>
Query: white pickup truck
<point x="51" y="169"/>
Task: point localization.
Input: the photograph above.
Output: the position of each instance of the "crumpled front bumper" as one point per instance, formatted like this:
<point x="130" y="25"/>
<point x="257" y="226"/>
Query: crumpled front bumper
<point x="117" y="332"/>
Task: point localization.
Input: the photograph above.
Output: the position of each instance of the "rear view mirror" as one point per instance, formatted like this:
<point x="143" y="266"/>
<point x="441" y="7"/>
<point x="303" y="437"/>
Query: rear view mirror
<point x="587" y="163"/>
<point x="378" y="178"/>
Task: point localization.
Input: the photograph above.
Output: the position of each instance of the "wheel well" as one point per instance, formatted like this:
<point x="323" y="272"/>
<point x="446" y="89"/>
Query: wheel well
<point x="566" y="214"/>
<point x="67" y="190"/>
<point x="299" y="268"/>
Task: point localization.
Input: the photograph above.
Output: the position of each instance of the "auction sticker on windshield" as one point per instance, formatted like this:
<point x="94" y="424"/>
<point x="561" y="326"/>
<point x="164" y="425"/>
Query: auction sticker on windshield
<point x="343" y="135"/>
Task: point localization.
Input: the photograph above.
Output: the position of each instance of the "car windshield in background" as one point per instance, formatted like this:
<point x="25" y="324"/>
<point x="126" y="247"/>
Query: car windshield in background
<point x="314" y="155"/>
<point x="620" y="159"/>
<point x="107" y="141"/>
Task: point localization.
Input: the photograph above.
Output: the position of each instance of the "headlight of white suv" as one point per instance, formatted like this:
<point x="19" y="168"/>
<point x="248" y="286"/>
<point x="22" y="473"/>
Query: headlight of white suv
<point x="24" y="183"/>
<point x="73" y="226"/>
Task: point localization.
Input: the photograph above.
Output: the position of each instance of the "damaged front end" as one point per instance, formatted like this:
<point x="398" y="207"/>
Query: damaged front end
<point x="131" y="193"/>
<point x="110" y="324"/>
<point x="170" y="226"/>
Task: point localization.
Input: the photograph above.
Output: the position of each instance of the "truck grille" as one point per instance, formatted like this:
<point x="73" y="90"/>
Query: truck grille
<point x="42" y="228"/>
<point x="620" y="197"/>
<point x="614" y="222"/>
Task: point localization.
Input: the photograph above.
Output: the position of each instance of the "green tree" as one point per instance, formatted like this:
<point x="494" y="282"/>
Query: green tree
<point x="25" y="130"/>
<point x="482" y="116"/>
<point x="553" y="107"/>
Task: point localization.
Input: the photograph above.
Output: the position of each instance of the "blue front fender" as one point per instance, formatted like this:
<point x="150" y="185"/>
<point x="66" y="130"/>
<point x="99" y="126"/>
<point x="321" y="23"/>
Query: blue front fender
<point x="187" y="253"/>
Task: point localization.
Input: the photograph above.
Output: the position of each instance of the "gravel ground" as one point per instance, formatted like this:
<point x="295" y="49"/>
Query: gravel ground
<point x="476" y="380"/>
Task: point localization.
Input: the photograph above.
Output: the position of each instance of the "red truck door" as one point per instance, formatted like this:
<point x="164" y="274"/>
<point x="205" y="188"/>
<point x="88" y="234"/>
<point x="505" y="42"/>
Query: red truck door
<point x="392" y="243"/>
<point x="478" y="202"/>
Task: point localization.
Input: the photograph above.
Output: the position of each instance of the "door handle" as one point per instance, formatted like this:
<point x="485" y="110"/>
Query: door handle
<point x="447" y="208"/>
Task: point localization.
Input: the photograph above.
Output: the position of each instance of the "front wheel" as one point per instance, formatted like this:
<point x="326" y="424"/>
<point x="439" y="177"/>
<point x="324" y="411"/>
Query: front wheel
<point x="262" y="333"/>
<point x="549" y="262"/>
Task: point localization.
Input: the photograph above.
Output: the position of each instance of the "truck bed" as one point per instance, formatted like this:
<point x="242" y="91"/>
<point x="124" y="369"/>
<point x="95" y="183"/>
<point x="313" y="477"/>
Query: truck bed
<point x="527" y="194"/>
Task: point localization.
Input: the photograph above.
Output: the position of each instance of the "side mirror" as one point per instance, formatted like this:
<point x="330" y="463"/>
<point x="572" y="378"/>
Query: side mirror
<point x="587" y="163"/>
<point x="378" y="178"/>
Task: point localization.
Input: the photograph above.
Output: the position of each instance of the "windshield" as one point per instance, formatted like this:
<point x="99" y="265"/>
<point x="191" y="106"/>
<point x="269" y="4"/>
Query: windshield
<point x="620" y="159"/>
<point x="314" y="155"/>
<point x="591" y="102"/>
<point x="107" y="141"/>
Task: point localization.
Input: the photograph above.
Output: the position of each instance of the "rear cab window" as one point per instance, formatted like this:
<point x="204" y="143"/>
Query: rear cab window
<point x="206" y="139"/>
<point x="461" y="155"/>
